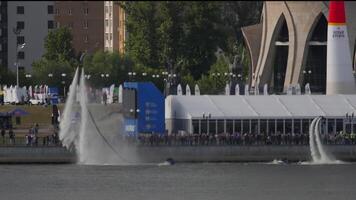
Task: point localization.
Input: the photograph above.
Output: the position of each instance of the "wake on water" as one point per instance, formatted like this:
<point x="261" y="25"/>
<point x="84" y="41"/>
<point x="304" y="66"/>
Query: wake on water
<point x="319" y="154"/>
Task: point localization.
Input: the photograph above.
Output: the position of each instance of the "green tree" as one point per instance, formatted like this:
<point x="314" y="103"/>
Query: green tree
<point x="58" y="45"/>
<point x="214" y="82"/>
<point x="58" y="59"/>
<point x="141" y="25"/>
<point x="183" y="35"/>
<point x="235" y="15"/>
<point x="114" y="64"/>
<point x="170" y="33"/>
<point x="7" y="77"/>
<point x="202" y="37"/>
<point x="43" y="68"/>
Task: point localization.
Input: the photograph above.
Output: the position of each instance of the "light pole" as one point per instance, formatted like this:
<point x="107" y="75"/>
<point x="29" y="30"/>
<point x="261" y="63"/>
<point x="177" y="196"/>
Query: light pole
<point x="87" y="76"/>
<point x="130" y="74"/>
<point x="19" y="47"/>
<point x="133" y="76"/>
<point x="144" y="74"/>
<point x="103" y="77"/>
<point x="64" y="84"/>
<point x="28" y="76"/>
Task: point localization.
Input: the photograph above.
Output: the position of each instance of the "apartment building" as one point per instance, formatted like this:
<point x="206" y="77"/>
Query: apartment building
<point x="114" y="30"/>
<point x="3" y="34"/>
<point x="86" y="22"/>
<point x="27" y="22"/>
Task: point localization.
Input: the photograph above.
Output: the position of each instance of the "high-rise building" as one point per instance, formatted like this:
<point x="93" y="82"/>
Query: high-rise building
<point x="86" y="22"/>
<point x="27" y="22"/>
<point x="114" y="30"/>
<point x="3" y="34"/>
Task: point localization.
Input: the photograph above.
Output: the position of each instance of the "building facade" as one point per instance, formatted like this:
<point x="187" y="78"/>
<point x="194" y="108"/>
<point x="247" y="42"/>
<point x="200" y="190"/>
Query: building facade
<point x="288" y="46"/>
<point x="3" y="34"/>
<point x="114" y="30"/>
<point x="29" y="23"/>
<point x="86" y="22"/>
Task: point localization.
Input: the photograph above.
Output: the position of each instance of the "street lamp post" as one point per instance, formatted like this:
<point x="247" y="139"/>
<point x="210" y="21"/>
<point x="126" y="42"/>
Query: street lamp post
<point x="17" y="31"/>
<point x="103" y="77"/>
<point x="144" y="74"/>
<point x="64" y="84"/>
<point x="130" y="74"/>
<point x="18" y="48"/>
<point x="307" y="75"/>
<point x="28" y="76"/>
<point x="133" y="76"/>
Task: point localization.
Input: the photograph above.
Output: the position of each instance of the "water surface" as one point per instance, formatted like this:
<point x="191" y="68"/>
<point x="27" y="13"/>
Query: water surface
<point x="181" y="181"/>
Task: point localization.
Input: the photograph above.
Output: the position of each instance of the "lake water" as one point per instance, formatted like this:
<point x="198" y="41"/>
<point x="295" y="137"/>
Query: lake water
<point x="181" y="181"/>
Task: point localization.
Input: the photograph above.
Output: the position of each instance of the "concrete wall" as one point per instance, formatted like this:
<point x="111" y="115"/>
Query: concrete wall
<point x="157" y="154"/>
<point x="36" y="19"/>
<point x="239" y="153"/>
<point x="36" y="155"/>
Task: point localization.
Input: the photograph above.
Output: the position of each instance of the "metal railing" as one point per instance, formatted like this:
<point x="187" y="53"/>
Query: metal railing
<point x="42" y="141"/>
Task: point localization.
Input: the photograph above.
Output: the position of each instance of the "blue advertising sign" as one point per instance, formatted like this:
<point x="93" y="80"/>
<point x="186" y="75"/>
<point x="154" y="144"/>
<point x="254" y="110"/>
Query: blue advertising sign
<point x="53" y="95"/>
<point x="149" y="116"/>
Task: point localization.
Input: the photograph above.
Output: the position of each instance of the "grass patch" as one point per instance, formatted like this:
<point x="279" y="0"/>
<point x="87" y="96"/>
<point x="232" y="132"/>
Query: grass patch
<point x="37" y="114"/>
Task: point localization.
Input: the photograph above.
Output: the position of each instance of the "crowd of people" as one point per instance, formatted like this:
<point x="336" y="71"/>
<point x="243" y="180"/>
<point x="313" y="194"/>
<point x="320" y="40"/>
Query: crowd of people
<point x="31" y="138"/>
<point x="185" y="139"/>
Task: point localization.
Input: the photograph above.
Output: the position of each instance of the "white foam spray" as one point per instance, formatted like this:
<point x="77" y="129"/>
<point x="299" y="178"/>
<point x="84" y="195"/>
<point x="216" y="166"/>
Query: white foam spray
<point x="83" y="141"/>
<point x="313" y="150"/>
<point x="97" y="135"/>
<point x="318" y="152"/>
<point x="68" y="131"/>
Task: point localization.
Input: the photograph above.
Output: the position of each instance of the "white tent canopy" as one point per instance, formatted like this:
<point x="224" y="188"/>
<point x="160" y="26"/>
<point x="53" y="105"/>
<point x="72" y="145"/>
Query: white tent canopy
<point x="259" y="106"/>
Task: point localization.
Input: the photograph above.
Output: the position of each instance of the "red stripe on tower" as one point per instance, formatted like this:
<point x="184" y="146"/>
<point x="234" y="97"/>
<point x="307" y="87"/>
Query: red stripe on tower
<point x="336" y="12"/>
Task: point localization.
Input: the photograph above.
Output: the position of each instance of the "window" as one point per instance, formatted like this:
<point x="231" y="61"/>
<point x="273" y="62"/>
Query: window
<point x="21" y="55"/>
<point x="20" y="25"/>
<point x="20" y="39"/>
<point x="85" y="24"/>
<point x="86" y="11"/>
<point x="21" y="68"/>
<point x="106" y="36"/>
<point x="69" y="11"/>
<point x="71" y="24"/>
<point x="50" y="9"/>
<point x="86" y="38"/>
<point x="57" y="24"/>
<point x="20" y="10"/>
<point x="106" y="9"/>
<point x="50" y="24"/>
<point x="57" y="11"/>
<point x="106" y="22"/>
<point x="110" y="36"/>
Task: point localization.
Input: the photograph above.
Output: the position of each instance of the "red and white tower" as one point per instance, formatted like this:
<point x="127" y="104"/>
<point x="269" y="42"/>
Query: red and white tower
<point x="339" y="78"/>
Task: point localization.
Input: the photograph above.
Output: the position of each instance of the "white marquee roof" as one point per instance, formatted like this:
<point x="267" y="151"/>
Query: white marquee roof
<point x="260" y="106"/>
